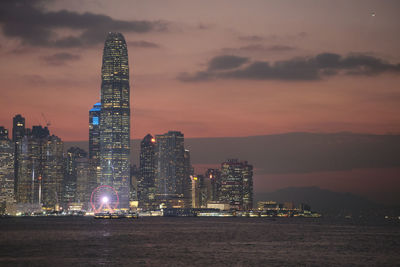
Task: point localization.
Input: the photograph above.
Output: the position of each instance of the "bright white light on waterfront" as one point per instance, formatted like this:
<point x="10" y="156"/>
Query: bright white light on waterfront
<point x="104" y="199"/>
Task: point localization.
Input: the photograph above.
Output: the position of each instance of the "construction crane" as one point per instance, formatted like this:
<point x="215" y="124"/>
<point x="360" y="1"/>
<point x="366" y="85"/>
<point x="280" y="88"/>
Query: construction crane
<point x="48" y="123"/>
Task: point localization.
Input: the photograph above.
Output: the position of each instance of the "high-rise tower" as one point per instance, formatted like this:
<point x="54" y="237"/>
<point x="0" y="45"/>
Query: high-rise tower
<point x="6" y="170"/>
<point x="237" y="184"/>
<point x="115" y="117"/>
<point x="18" y="132"/>
<point x="146" y="171"/>
<point x="94" y="145"/>
<point x="170" y="165"/>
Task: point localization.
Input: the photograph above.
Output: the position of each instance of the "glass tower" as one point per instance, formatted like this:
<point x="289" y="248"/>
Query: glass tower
<point x="237" y="184"/>
<point x="18" y="132"/>
<point x="170" y="165"/>
<point x="115" y="117"/>
<point x="94" y="145"/>
<point x="6" y="170"/>
<point x="146" y="171"/>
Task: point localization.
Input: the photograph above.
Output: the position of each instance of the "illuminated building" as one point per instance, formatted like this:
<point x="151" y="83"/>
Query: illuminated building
<point x="51" y="182"/>
<point x="115" y="117"/>
<point x="94" y="142"/>
<point x="200" y="191"/>
<point x="133" y="194"/>
<point x="237" y="184"/>
<point x="247" y="186"/>
<point x="146" y="178"/>
<point x="187" y="182"/>
<point x="70" y="174"/>
<point x="83" y="190"/>
<point x="170" y="166"/>
<point x="18" y="133"/>
<point x="214" y="176"/>
<point x="194" y="191"/>
<point x="40" y="168"/>
<point x="6" y="170"/>
<point x="29" y="169"/>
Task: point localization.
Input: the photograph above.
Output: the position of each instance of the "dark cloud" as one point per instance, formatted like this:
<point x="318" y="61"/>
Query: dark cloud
<point x="260" y="48"/>
<point x="251" y="38"/>
<point x="30" y="22"/>
<point x="280" y="48"/>
<point x="143" y="44"/>
<point x="273" y="37"/>
<point x="226" y="62"/>
<point x="312" y="68"/>
<point x="59" y="59"/>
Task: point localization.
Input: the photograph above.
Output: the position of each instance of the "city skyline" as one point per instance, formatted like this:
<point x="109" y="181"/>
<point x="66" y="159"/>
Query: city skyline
<point x="304" y="67"/>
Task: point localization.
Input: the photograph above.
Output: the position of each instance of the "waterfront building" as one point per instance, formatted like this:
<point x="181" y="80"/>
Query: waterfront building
<point x="40" y="168"/>
<point x="71" y="174"/>
<point x="83" y="190"/>
<point x="146" y="177"/>
<point x="200" y="191"/>
<point x="7" y="196"/>
<point x="94" y="142"/>
<point x="18" y="132"/>
<point x="52" y="176"/>
<point x="170" y="166"/>
<point x="29" y="169"/>
<point x="115" y="117"/>
<point x="187" y="182"/>
<point x="237" y="184"/>
<point x="214" y="176"/>
<point x="133" y="194"/>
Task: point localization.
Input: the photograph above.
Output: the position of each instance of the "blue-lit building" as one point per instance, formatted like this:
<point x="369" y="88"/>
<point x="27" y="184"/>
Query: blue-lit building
<point x="94" y="142"/>
<point x="115" y="117"/>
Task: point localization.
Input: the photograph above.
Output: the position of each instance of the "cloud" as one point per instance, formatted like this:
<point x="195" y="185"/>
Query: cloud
<point x="33" y="25"/>
<point x="251" y="38"/>
<point x="260" y="48"/>
<point x="59" y="59"/>
<point x="143" y="44"/>
<point x="226" y="62"/>
<point x="273" y="37"/>
<point x="296" y="69"/>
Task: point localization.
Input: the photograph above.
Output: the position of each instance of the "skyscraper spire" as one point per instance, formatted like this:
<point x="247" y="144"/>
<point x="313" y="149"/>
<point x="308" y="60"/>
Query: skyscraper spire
<point x="115" y="117"/>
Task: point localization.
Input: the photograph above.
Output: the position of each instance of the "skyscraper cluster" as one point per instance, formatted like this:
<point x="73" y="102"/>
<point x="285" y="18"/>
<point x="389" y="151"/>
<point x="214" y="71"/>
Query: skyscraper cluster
<point x="166" y="177"/>
<point x="36" y="176"/>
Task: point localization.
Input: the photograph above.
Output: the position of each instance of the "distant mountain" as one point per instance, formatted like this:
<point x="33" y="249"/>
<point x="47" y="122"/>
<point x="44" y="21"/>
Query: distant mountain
<point x="293" y="152"/>
<point x="322" y="200"/>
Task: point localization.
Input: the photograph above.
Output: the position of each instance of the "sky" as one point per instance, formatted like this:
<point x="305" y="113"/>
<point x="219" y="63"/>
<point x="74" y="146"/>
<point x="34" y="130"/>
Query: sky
<point x="226" y="68"/>
<point x="207" y="68"/>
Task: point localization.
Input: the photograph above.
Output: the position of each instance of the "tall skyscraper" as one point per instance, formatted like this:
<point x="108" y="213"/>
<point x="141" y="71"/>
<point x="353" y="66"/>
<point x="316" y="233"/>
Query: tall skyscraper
<point x="115" y="117"/>
<point x="51" y="180"/>
<point x="187" y="182"/>
<point x="29" y="169"/>
<point x="94" y="140"/>
<point x="170" y="165"/>
<point x="83" y="190"/>
<point x="146" y="189"/>
<point x="6" y="170"/>
<point x="214" y="175"/>
<point x="237" y="184"/>
<point x="40" y="168"/>
<point x="18" y="132"/>
<point x="70" y="174"/>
